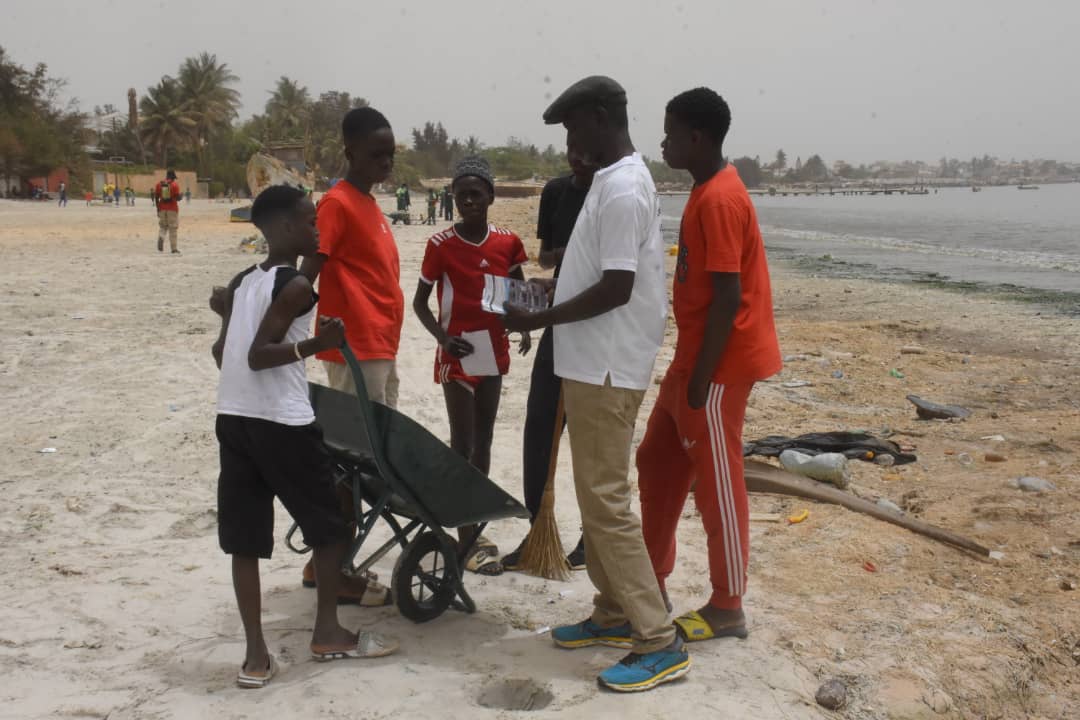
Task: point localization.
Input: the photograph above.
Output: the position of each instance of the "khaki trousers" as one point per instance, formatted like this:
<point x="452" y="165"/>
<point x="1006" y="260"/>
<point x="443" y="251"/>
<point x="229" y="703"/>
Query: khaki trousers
<point x="168" y="222"/>
<point x="601" y="422"/>
<point x="380" y="378"/>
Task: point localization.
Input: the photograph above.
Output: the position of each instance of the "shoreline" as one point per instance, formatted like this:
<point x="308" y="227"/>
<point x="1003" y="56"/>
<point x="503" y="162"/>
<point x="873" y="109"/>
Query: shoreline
<point x="1061" y="302"/>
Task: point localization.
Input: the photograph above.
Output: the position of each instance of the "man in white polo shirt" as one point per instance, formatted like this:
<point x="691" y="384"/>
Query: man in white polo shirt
<point x="609" y="311"/>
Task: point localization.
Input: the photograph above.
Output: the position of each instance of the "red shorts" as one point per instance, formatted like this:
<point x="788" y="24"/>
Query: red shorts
<point x="448" y="368"/>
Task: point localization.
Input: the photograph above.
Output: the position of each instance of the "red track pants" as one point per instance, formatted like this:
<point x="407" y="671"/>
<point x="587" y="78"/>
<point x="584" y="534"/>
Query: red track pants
<point x="686" y="448"/>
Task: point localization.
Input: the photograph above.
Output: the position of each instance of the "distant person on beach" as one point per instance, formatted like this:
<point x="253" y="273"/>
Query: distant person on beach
<point x="609" y="313"/>
<point x="456" y="261"/>
<point x="63" y="195"/>
<point x="432" y="203"/>
<point x="560" y="204"/>
<point x="447" y="204"/>
<point x="116" y="195"/>
<point x="187" y="196"/>
<point x="89" y="197"/>
<point x="129" y="195"/>
<point x="404" y="200"/>
<point x="269" y="443"/>
<point x="166" y="200"/>
<point x="726" y="342"/>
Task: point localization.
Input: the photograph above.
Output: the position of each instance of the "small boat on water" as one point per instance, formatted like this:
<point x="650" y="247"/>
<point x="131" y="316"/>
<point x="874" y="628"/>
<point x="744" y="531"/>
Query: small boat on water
<point x="1027" y="187"/>
<point x="976" y="188"/>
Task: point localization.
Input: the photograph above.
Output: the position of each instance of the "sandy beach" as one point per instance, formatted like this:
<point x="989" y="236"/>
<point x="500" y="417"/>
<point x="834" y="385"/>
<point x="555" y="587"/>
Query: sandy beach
<point x="117" y="602"/>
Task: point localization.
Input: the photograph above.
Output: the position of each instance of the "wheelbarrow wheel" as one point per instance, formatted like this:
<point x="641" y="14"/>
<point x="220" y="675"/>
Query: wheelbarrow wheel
<point x="424" y="582"/>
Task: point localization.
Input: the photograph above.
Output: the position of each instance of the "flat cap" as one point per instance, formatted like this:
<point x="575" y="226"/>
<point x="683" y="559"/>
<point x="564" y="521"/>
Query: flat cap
<point x="598" y="89"/>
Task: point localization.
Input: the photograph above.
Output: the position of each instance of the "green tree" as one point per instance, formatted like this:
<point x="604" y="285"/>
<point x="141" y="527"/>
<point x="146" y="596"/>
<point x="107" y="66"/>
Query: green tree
<point x="289" y="110"/>
<point x="37" y="134"/>
<point x="749" y="171"/>
<point x="781" y="161"/>
<point x="164" y="123"/>
<point x="813" y="170"/>
<point x="207" y="99"/>
<point x="325" y="151"/>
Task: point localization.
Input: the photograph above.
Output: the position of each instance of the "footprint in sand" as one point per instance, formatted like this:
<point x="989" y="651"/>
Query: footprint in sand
<point x="194" y="525"/>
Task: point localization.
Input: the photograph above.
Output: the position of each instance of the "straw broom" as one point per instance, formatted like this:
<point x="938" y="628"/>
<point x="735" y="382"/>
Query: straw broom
<point x="543" y="554"/>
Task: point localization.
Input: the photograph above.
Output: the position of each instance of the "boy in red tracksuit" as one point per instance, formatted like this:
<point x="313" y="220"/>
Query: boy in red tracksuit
<point x="726" y="342"/>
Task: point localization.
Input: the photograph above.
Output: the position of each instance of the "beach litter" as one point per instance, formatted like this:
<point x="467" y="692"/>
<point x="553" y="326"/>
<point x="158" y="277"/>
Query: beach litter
<point x="47" y="450"/>
<point x="796" y="383"/>
<point x="798" y="517"/>
<point x="1030" y="483"/>
<point x="826" y="467"/>
<point x="896" y="374"/>
<point x="928" y="410"/>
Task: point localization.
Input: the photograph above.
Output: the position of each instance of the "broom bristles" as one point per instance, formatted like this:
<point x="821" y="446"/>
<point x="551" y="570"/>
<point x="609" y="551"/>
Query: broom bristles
<point x="543" y="553"/>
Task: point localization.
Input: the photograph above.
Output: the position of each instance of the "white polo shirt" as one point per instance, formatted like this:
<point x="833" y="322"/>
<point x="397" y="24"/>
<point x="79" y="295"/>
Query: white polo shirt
<point x="618" y="229"/>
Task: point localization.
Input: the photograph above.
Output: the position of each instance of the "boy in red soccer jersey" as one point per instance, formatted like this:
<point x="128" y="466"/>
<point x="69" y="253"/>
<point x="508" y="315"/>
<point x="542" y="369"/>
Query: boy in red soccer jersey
<point x="456" y="261"/>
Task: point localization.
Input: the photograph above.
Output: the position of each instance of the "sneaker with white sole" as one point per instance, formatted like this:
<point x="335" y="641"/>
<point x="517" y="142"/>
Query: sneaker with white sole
<point x="639" y="672"/>
<point x="587" y="634"/>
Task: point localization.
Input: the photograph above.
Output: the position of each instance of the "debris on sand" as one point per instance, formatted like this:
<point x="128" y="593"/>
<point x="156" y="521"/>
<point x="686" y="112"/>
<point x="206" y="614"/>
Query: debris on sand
<point x="927" y="410"/>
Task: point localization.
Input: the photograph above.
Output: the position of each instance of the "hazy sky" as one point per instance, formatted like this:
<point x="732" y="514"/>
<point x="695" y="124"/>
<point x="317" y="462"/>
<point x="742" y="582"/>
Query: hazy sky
<point x="858" y="80"/>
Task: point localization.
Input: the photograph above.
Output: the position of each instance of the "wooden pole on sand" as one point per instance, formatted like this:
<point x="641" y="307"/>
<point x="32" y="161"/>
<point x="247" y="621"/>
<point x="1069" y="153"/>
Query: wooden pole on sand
<point x="543" y="553"/>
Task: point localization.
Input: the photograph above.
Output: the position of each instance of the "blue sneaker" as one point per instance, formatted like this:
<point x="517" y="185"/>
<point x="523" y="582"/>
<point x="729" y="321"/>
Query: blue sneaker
<point x="587" y="633"/>
<point x="635" y="672"/>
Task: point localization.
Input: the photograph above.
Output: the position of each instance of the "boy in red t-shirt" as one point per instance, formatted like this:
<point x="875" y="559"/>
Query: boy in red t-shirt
<point x="357" y="263"/>
<point x="456" y="261"/>
<point x="726" y="342"/>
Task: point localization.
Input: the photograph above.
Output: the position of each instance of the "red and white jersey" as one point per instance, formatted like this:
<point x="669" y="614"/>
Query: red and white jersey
<point x="457" y="268"/>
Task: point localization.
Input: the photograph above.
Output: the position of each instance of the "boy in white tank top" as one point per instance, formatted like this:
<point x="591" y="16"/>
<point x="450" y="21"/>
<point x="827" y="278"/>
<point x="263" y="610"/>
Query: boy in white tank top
<point x="270" y="445"/>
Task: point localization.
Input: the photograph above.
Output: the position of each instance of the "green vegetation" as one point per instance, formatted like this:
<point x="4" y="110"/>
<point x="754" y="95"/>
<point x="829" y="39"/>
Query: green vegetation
<point x="37" y="133"/>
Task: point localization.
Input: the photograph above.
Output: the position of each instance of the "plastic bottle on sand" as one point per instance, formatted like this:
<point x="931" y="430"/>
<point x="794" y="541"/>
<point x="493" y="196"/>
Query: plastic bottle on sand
<point x="827" y="467"/>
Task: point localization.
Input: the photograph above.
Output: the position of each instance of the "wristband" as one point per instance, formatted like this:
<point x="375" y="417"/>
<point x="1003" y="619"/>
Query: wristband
<point x="296" y="350"/>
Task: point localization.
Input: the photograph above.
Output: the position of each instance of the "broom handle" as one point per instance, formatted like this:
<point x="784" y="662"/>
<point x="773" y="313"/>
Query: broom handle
<point x="556" y="438"/>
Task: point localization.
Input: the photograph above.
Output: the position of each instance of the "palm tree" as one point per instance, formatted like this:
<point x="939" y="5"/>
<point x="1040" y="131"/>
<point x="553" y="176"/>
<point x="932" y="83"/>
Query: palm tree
<point x="207" y="98"/>
<point x="164" y="123"/>
<point x="289" y="109"/>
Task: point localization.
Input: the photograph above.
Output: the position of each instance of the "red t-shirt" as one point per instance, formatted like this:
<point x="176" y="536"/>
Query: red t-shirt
<point x="720" y="234"/>
<point x="360" y="281"/>
<point x="457" y="268"/>
<point x="173" y="203"/>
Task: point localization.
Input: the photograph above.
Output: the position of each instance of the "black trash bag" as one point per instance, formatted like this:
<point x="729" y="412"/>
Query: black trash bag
<point x="854" y="446"/>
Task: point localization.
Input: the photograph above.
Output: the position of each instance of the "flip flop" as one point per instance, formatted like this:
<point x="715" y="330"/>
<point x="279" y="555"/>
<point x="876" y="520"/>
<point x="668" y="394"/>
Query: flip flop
<point x="694" y="628"/>
<point x="483" y="543"/>
<point x="368" y="645"/>
<point x="251" y="681"/>
<point x="483" y="562"/>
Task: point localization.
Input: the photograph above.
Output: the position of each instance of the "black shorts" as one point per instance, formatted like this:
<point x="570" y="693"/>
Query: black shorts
<point x="262" y="459"/>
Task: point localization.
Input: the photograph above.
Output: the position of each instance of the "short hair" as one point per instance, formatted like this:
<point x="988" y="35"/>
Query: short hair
<point x="274" y="201"/>
<point x="360" y="122"/>
<point x="702" y="109"/>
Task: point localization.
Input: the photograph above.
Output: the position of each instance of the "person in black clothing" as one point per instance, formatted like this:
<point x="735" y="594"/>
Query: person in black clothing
<point x="560" y="203"/>
<point x="447" y="204"/>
